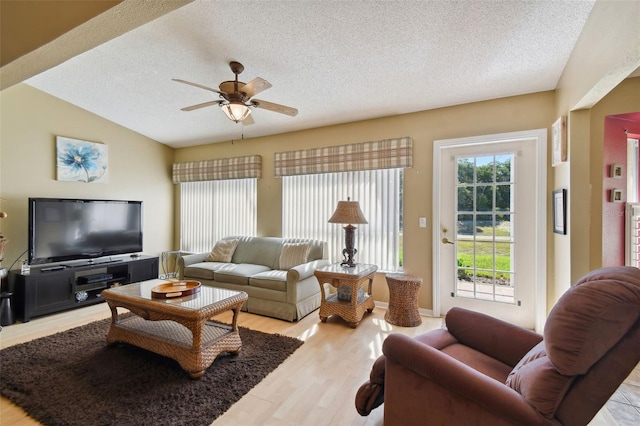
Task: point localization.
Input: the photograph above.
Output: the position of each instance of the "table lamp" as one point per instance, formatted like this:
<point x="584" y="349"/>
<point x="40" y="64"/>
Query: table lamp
<point x="348" y="212"/>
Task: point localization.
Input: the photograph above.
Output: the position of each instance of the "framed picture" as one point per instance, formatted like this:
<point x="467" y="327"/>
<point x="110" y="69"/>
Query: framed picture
<point x="81" y="161"/>
<point x="616" y="171"/>
<point x="616" y="195"/>
<point x="560" y="211"/>
<point x="559" y="141"/>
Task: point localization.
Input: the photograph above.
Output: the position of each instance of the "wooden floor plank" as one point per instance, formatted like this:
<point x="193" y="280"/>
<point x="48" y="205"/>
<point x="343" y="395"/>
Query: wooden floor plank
<point x="315" y="386"/>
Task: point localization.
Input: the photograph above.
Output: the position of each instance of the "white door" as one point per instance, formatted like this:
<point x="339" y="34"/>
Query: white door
<point x="489" y="226"/>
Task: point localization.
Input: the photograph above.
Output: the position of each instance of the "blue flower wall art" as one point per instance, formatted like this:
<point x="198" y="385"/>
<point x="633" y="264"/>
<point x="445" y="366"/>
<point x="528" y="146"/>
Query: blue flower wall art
<point x="81" y="161"/>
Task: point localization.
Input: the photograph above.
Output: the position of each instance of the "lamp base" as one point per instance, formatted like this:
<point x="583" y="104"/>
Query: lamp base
<point x="350" y="251"/>
<point x="348" y="255"/>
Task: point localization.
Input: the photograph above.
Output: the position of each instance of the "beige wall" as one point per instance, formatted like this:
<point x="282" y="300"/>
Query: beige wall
<point x="606" y="53"/>
<point x="496" y="116"/>
<point x="623" y="99"/>
<point x="139" y="167"/>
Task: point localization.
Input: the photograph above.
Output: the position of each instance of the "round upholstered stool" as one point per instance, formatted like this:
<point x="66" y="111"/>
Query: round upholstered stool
<point x="403" y="300"/>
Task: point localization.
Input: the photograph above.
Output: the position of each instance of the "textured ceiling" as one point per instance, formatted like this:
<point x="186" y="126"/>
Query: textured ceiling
<point x="335" y="61"/>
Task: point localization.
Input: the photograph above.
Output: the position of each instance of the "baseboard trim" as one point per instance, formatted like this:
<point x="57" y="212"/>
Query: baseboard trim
<point x="423" y="312"/>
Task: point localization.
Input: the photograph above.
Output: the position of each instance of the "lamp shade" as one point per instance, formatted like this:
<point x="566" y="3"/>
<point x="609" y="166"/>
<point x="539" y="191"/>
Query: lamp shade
<point x="348" y="212"/>
<point x="236" y="111"/>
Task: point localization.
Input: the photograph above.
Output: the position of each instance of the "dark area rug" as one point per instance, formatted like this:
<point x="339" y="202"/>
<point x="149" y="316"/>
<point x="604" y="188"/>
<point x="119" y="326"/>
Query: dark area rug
<point x="73" y="378"/>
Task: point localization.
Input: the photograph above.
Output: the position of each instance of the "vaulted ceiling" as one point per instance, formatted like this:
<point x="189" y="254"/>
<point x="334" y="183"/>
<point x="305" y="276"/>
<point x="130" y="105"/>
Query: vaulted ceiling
<point x="335" y="61"/>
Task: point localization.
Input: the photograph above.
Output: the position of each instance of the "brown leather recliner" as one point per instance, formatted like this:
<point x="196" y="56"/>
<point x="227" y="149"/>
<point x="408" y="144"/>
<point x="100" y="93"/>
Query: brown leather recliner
<point x="483" y="371"/>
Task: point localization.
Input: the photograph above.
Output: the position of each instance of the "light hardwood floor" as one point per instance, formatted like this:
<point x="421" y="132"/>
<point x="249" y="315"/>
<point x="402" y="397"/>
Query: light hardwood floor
<point x="315" y="386"/>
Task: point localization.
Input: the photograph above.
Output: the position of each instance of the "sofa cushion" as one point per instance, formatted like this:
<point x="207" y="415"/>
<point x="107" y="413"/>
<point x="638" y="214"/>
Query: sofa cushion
<point x="238" y="274"/>
<point x="258" y="251"/>
<point x="272" y="280"/>
<point x="591" y="317"/>
<point x="294" y="254"/>
<point x="535" y="378"/>
<point x="222" y="251"/>
<point x="202" y="270"/>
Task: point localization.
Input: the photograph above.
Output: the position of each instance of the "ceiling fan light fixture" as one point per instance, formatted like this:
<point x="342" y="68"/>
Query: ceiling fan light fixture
<point x="236" y="111"/>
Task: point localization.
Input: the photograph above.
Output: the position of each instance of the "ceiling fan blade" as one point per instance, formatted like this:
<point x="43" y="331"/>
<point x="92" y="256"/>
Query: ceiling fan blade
<point x="255" y="86"/>
<point x="248" y="121"/>
<point x="198" y="106"/>
<point x="274" y="107"/>
<point x="198" y="85"/>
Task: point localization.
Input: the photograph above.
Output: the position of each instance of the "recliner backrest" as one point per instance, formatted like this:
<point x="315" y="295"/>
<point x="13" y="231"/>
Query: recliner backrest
<point x="591" y="317"/>
<point x="592" y="329"/>
<point x="589" y="392"/>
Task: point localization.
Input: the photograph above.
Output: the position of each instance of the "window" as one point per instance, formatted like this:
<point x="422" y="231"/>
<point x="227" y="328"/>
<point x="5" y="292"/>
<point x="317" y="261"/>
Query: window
<point x="485" y="217"/>
<point x="308" y="201"/>
<point x="212" y="210"/>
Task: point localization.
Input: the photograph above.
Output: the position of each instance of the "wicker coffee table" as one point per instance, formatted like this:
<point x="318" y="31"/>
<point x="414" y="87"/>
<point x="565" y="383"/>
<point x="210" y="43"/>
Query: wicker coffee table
<point x="178" y="328"/>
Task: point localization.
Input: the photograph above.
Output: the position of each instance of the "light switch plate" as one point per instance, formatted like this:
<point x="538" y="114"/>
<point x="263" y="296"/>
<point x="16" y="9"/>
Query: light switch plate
<point x="423" y="222"/>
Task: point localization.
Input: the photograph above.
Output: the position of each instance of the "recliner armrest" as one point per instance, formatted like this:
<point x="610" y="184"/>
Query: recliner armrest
<point x="505" y="342"/>
<point x="458" y="378"/>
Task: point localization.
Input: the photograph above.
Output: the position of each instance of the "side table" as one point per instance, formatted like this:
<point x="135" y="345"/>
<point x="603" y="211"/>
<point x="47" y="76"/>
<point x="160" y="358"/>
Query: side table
<point x="353" y="309"/>
<point x="403" y="300"/>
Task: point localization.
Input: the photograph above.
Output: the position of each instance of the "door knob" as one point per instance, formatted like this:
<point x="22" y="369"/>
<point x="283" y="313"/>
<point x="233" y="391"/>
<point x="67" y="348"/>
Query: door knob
<point x="445" y="240"/>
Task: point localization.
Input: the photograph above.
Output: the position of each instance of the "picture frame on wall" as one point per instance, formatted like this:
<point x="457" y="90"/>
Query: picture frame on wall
<point x="616" y="196"/>
<point x="617" y="171"/>
<point x="81" y="161"/>
<point x="559" y="141"/>
<point x="560" y="211"/>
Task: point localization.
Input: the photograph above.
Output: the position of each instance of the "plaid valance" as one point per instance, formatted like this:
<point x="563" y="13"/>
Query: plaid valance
<point x="384" y="154"/>
<point x="218" y="169"/>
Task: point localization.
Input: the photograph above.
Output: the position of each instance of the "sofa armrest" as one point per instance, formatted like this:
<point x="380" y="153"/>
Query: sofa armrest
<point x="300" y="272"/>
<point x="187" y="260"/>
<point x="501" y="340"/>
<point x="462" y="381"/>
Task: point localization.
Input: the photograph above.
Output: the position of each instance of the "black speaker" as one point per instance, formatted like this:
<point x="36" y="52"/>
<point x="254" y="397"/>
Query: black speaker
<point x="6" y="312"/>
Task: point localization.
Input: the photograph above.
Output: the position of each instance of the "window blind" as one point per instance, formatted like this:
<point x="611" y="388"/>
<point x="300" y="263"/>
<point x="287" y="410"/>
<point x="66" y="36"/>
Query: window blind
<point x="632" y="235"/>
<point x="308" y="201"/>
<point x="212" y="210"/>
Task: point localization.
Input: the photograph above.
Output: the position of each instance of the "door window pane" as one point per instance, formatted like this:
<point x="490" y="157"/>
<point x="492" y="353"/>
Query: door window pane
<point x="465" y="198"/>
<point x="484" y="198"/>
<point x="484" y="234"/>
<point x="485" y="172"/>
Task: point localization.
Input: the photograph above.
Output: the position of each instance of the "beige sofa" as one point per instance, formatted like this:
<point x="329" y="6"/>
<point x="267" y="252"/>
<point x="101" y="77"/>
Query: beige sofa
<point x="255" y="268"/>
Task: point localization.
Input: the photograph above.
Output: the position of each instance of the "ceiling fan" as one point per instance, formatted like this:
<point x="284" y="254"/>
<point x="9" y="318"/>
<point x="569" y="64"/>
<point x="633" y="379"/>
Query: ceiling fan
<point x="236" y="97"/>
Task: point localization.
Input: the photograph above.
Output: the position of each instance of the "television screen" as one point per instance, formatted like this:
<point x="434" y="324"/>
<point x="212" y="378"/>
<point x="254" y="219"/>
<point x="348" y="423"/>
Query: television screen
<point x="65" y="229"/>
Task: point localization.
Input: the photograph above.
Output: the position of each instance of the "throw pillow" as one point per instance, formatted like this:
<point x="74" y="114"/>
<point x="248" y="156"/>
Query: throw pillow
<point x="294" y="254"/>
<point x="222" y="251"/>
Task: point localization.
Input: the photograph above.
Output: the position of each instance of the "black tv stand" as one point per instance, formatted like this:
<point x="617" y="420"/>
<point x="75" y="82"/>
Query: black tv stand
<point x="102" y="262"/>
<point x="53" y="268"/>
<point x="61" y="287"/>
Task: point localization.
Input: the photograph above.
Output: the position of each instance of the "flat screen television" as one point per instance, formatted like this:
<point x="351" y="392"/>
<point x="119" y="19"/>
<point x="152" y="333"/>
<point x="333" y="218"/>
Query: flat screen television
<point x="71" y="229"/>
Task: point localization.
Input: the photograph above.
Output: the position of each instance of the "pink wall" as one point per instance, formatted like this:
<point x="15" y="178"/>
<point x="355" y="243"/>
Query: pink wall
<point x="616" y="130"/>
